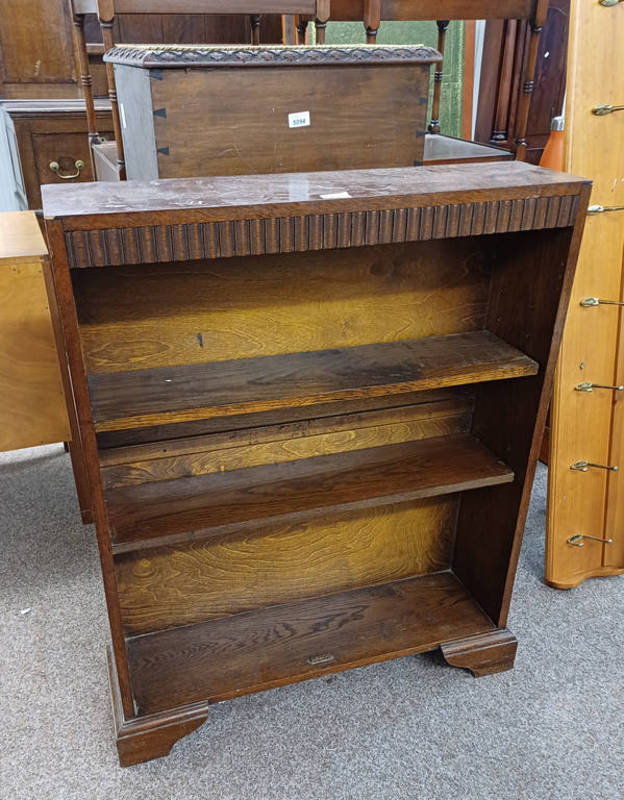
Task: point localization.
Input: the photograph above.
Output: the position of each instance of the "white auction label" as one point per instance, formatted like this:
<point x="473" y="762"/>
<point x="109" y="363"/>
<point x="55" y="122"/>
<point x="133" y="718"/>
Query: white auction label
<point x="299" y="119"/>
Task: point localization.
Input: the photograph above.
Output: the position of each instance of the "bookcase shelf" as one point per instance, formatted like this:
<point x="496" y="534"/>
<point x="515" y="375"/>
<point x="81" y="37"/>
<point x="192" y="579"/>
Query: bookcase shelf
<point x="139" y="398"/>
<point x="374" y="476"/>
<point x="262" y="649"/>
<point x="310" y="407"/>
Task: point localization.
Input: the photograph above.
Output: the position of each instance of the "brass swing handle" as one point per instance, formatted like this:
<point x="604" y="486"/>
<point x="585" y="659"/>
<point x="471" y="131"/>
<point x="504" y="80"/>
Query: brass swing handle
<point x="56" y="167"/>
<point x="602" y="209"/>
<point x="578" y="540"/>
<point x="603" y="110"/>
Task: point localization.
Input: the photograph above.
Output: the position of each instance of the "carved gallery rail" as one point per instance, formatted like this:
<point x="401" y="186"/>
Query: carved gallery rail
<point x="311" y="406"/>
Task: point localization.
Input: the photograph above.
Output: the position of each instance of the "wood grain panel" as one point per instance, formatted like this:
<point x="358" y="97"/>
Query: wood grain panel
<point x="169" y="586"/>
<point x="372" y="477"/>
<point x="201" y="455"/>
<point x="165" y="315"/>
<point x="204" y="132"/>
<point x="100" y="248"/>
<point x="199" y="391"/>
<point x="164" y="434"/>
<point x="32" y="401"/>
<point x="33" y="408"/>
<point x="262" y="649"/>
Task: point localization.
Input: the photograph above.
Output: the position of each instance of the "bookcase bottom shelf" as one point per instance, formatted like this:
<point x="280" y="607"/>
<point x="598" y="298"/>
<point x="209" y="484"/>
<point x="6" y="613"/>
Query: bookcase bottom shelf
<point x="223" y="658"/>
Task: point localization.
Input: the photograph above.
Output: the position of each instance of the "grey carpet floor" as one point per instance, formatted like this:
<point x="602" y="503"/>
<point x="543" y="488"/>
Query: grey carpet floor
<point x="413" y="728"/>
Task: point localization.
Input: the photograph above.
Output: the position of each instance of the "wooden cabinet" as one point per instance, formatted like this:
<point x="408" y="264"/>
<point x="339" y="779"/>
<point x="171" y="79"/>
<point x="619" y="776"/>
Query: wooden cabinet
<point x="311" y="406"/>
<point x="32" y="405"/>
<point x="181" y="121"/>
<point x="54" y="131"/>
<point x="587" y="425"/>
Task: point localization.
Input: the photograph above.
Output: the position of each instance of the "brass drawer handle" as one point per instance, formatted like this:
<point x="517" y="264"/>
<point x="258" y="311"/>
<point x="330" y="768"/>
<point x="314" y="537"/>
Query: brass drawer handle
<point x="56" y="167"/>
<point x="603" y="110"/>
<point x="602" y="209"/>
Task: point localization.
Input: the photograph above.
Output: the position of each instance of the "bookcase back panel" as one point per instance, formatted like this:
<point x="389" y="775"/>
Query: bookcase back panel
<point x="252" y="447"/>
<point x="121" y="443"/>
<point x="164" y="315"/>
<point x="284" y="562"/>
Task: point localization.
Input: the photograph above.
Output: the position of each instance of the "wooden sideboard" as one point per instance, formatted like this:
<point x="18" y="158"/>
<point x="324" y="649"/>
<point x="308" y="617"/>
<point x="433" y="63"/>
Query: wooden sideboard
<point x="54" y="132"/>
<point x="32" y="404"/>
<point x="310" y="406"/>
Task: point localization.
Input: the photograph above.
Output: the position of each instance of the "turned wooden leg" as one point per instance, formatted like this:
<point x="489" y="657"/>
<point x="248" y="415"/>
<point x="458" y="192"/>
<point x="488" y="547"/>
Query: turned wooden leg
<point x="484" y="653"/>
<point x="153" y="736"/>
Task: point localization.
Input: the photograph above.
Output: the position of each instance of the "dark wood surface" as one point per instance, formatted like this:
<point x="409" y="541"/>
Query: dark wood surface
<point x="179" y="394"/>
<point x="483" y="653"/>
<point x="267" y="648"/>
<point x="395" y="473"/>
<point x="36" y="53"/>
<point x="279" y="562"/>
<point x="505" y="53"/>
<point x="100" y="206"/>
<point x="314" y="526"/>
<point x="183" y="122"/>
<point x="370" y="477"/>
<point x="413" y="417"/>
<point x="112" y="443"/>
<point x="354" y="10"/>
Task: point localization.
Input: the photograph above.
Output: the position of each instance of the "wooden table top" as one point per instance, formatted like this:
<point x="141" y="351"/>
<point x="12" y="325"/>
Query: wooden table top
<point x="20" y="237"/>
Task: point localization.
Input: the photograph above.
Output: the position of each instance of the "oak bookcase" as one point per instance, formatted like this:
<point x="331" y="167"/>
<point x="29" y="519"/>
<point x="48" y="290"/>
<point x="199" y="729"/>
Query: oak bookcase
<point x="311" y="406"/>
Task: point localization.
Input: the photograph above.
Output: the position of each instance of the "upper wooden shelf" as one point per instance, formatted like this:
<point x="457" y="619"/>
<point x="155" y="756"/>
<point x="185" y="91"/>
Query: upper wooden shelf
<point x="140" y="398"/>
<point x="219" y="502"/>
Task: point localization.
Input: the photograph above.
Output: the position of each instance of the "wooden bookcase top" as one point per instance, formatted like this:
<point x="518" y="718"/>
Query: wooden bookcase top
<point x="95" y="205"/>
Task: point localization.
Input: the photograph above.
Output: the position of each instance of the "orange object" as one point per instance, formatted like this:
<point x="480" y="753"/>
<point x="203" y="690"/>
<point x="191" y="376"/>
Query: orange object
<point x="552" y="157"/>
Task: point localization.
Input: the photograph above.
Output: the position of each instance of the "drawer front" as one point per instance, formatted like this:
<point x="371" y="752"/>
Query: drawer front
<point x="64" y="149"/>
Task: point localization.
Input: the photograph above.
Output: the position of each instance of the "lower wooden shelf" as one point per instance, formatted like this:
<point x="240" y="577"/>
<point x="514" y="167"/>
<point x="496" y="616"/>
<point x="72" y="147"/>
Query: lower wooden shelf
<point x="369" y="477"/>
<point x="258" y="650"/>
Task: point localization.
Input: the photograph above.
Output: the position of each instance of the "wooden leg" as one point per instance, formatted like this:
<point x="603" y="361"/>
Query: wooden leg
<point x="484" y="653"/>
<point x="144" y="738"/>
<point x="81" y="480"/>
